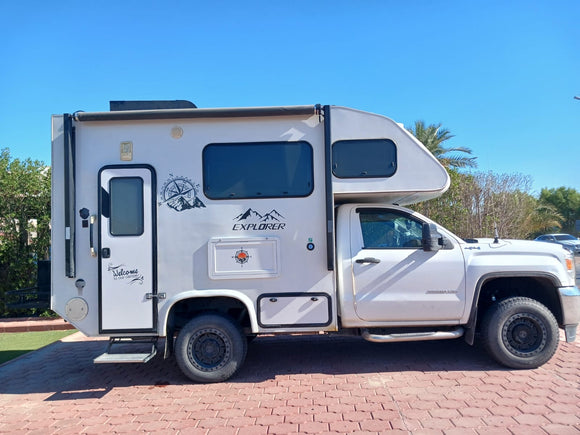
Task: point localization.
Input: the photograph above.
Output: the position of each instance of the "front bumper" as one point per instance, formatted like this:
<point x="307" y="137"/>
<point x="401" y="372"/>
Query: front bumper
<point x="570" y="302"/>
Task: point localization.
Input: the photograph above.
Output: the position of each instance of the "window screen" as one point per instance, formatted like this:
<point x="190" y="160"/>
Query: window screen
<point x="364" y="158"/>
<point x="126" y="201"/>
<point x="257" y="170"/>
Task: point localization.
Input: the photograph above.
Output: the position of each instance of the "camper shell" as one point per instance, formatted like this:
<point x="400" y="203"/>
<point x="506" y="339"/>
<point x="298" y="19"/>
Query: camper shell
<point x="192" y="230"/>
<point x="165" y="215"/>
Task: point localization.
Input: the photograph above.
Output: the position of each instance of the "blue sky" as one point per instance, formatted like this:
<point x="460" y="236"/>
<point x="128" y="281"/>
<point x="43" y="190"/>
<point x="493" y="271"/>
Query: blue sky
<point x="500" y="75"/>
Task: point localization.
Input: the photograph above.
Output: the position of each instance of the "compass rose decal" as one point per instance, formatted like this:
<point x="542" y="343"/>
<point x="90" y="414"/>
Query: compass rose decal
<point x="242" y="256"/>
<point x="180" y="193"/>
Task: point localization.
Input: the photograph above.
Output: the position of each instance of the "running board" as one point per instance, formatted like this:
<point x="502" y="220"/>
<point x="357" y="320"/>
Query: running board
<point x="126" y="353"/>
<point x="413" y="336"/>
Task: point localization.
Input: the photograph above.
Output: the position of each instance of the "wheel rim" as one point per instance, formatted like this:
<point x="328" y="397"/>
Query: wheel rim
<point x="209" y="350"/>
<point x="525" y="335"/>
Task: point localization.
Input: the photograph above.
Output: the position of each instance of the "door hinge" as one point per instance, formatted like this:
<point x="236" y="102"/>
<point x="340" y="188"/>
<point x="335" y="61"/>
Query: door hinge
<point x="158" y="296"/>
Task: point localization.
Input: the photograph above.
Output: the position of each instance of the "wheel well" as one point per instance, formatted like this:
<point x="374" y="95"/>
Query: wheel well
<point x="539" y="288"/>
<point x="186" y="309"/>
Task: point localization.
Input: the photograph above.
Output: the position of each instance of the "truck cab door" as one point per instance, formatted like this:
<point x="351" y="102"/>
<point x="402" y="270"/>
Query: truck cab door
<point x="394" y="279"/>
<point x="127" y="249"/>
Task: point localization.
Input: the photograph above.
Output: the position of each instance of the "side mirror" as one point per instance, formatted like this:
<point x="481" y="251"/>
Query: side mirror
<point x="432" y="240"/>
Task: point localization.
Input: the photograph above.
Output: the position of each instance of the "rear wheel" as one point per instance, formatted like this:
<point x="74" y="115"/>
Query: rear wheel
<point x="520" y="333"/>
<point x="210" y="348"/>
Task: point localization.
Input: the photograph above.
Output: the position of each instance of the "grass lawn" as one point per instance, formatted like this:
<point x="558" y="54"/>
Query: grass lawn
<point x="14" y="344"/>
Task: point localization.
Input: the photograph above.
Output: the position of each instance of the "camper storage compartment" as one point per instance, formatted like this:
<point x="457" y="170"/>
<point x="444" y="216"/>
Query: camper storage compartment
<point x="235" y="258"/>
<point x="294" y="309"/>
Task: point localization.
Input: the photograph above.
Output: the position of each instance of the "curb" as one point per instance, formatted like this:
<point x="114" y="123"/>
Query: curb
<point x="32" y="324"/>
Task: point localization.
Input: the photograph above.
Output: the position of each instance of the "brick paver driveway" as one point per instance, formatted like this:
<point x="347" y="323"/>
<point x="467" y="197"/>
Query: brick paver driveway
<point x="301" y="384"/>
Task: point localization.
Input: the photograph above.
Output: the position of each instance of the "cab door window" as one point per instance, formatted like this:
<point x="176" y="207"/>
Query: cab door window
<point x="387" y="229"/>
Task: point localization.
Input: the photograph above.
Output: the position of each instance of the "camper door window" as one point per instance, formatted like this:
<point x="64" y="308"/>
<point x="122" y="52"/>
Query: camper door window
<point x="126" y="199"/>
<point x="257" y="170"/>
<point x="364" y="158"/>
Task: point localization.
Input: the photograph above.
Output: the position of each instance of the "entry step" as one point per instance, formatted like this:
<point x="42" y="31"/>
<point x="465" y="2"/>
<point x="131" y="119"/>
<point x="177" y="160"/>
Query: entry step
<point x="128" y="350"/>
<point x="123" y="358"/>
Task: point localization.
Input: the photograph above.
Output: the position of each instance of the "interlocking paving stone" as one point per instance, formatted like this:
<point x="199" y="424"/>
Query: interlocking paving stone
<point x="297" y="384"/>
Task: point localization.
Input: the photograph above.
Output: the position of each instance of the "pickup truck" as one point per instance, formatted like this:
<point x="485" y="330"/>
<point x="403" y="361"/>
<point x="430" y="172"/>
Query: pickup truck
<point x="208" y="227"/>
<point x="511" y="293"/>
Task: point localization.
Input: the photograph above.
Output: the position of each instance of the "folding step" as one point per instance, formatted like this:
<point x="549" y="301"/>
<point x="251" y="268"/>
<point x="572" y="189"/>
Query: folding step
<point x="128" y="350"/>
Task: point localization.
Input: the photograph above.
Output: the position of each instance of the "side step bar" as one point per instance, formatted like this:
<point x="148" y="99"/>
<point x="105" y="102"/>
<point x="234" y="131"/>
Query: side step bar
<point x="125" y="350"/>
<point x="413" y="336"/>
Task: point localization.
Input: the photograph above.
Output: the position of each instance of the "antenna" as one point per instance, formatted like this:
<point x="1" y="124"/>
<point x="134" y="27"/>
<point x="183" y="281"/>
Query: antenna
<point x="496" y="239"/>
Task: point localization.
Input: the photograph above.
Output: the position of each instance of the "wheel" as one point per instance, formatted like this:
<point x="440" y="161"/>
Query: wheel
<point x="520" y="333"/>
<point x="210" y="348"/>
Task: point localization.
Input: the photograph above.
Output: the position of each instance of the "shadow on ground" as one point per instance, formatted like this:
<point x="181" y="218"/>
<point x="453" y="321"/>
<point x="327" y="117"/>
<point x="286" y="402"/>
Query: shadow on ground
<point x="67" y="370"/>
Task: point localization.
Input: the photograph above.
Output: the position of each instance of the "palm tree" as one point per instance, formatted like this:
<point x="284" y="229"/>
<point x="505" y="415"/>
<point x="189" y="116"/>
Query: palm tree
<point x="433" y="136"/>
<point x="543" y="218"/>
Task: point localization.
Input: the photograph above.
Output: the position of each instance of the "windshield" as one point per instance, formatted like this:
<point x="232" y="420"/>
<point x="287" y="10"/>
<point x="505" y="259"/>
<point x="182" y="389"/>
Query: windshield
<point x="565" y="237"/>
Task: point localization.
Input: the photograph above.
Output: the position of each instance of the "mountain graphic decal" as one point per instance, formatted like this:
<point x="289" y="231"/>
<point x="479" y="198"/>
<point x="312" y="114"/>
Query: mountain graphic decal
<point x="248" y="214"/>
<point x="252" y="220"/>
<point x="272" y="216"/>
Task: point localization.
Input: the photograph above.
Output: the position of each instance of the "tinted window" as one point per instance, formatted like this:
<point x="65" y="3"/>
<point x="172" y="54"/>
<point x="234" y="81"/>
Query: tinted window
<point x="126" y="201"/>
<point x="565" y="237"/>
<point x="364" y="158"/>
<point x="387" y="229"/>
<point x="257" y="170"/>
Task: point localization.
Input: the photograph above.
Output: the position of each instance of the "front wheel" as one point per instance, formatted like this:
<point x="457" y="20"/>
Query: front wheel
<point x="520" y="333"/>
<point x="210" y="348"/>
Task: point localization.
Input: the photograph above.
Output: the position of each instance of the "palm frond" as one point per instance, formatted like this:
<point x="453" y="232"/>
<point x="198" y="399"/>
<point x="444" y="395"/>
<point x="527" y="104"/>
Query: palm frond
<point x="433" y="136"/>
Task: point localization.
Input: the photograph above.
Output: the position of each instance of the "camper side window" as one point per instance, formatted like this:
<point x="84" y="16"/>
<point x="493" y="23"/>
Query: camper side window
<point x="257" y="170"/>
<point x="126" y="206"/>
<point x="364" y="158"/>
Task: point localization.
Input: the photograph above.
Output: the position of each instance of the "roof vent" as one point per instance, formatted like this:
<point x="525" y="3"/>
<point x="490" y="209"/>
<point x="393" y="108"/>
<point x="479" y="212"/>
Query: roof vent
<point x="119" y="106"/>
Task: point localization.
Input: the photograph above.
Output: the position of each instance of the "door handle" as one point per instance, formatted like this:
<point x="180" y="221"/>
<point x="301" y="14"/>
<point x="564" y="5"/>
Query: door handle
<point x="155" y="296"/>
<point x="368" y="260"/>
<point x="91" y="240"/>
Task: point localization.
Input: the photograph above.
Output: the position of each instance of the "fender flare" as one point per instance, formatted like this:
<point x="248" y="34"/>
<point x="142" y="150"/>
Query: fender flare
<point x="472" y="321"/>
<point x="200" y="294"/>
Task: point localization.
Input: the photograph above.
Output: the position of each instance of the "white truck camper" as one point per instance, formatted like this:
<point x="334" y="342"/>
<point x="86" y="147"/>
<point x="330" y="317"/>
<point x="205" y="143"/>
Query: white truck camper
<point x="208" y="227"/>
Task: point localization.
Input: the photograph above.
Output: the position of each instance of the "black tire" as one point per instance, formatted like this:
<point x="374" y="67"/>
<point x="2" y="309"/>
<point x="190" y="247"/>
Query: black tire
<point x="210" y="348"/>
<point x="520" y="333"/>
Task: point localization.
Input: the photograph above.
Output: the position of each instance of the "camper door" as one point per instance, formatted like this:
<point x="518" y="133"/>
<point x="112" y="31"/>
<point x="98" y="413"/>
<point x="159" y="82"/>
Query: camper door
<point x="127" y="239"/>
